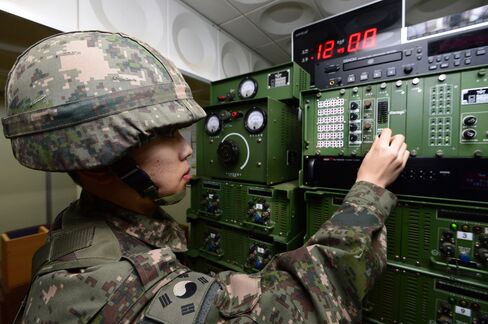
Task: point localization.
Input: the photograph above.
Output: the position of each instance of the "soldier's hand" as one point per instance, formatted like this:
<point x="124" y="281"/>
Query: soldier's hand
<point x="385" y="160"/>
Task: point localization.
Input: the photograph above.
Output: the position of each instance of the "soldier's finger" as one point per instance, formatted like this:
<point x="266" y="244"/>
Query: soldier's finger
<point x="406" y="155"/>
<point x="397" y="142"/>
<point x="385" y="137"/>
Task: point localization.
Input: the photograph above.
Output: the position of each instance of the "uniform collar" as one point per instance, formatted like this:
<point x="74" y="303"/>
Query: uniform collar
<point x="160" y="230"/>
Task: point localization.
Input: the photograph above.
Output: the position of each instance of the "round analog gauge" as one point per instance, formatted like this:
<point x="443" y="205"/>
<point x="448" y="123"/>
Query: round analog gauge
<point x="248" y="88"/>
<point x="213" y="125"/>
<point x="255" y="120"/>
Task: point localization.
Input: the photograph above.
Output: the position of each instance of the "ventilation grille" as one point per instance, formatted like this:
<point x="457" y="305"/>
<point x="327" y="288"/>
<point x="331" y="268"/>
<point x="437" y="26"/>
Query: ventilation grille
<point x="391" y="233"/>
<point x="381" y="300"/>
<point x="415" y="230"/>
<point x="279" y="213"/>
<point x="415" y="303"/>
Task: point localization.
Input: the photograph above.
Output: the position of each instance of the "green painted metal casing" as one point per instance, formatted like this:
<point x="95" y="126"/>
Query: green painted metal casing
<point x="269" y="157"/>
<point x="275" y="211"/>
<point x="203" y="265"/>
<point x="404" y="295"/>
<point x="431" y="111"/>
<point x="281" y="82"/>
<point x="232" y="247"/>
<point x="421" y="234"/>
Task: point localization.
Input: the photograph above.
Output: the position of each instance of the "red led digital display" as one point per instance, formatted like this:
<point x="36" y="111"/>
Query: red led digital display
<point x="355" y="42"/>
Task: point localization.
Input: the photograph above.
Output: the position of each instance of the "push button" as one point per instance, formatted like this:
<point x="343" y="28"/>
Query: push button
<point x="480" y="51"/>
<point x="391" y="71"/>
<point x="377" y="74"/>
<point x="351" y="78"/>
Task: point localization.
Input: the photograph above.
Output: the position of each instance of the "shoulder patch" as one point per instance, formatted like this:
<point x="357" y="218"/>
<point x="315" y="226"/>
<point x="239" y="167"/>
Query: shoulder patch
<point x="182" y="299"/>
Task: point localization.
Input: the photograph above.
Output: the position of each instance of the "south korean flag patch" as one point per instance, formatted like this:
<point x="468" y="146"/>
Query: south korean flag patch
<point x="181" y="300"/>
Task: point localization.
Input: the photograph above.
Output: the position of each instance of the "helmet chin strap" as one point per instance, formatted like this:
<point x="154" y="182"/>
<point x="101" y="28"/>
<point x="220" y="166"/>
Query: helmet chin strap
<point x="128" y="171"/>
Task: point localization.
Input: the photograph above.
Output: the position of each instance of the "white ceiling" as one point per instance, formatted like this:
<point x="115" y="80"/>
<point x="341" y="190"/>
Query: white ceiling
<point x="265" y="26"/>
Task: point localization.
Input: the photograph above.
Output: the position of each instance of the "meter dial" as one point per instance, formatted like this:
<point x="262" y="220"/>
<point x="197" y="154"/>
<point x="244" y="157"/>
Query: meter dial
<point x="213" y="125"/>
<point x="247" y="88"/>
<point x="255" y="120"/>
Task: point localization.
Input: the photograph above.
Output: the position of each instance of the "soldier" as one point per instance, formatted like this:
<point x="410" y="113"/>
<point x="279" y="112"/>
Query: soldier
<point x="106" y="108"/>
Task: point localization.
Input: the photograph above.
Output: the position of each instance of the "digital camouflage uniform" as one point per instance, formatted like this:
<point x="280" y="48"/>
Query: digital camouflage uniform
<point x="80" y="101"/>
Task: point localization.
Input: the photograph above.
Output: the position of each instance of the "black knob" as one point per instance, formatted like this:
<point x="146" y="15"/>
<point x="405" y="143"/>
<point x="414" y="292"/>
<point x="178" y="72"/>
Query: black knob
<point x="469" y="133"/>
<point x="354" y="106"/>
<point x="469" y="120"/>
<point x="353" y="138"/>
<point x="448" y="249"/>
<point x="353" y="127"/>
<point x="408" y="69"/>
<point x="228" y="153"/>
<point x="353" y="116"/>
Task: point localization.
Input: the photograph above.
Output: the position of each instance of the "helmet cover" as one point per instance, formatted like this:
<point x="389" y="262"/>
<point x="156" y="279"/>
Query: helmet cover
<point x="81" y="100"/>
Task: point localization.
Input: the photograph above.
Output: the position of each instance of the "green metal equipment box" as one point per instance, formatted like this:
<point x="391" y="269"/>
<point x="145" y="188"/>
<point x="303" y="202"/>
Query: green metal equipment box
<point x="233" y="248"/>
<point x="449" y="238"/>
<point x="406" y="296"/>
<point x="254" y="140"/>
<point x="275" y="211"/>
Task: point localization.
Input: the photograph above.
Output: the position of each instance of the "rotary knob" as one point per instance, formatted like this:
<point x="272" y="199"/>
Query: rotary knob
<point x="353" y="116"/>
<point x="469" y="120"/>
<point x="367" y="125"/>
<point x="353" y="137"/>
<point x="228" y="153"/>
<point x="367" y="104"/>
<point x="353" y="127"/>
<point x="408" y="69"/>
<point x="354" y="106"/>
<point x="469" y="133"/>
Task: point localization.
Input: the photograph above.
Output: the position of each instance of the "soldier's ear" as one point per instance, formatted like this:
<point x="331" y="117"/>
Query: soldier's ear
<point x="101" y="176"/>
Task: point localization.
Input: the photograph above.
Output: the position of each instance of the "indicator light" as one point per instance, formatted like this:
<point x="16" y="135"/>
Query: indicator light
<point x="454" y="226"/>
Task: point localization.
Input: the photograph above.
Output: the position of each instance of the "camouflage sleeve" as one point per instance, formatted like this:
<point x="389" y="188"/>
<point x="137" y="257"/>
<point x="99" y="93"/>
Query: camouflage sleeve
<point x="325" y="280"/>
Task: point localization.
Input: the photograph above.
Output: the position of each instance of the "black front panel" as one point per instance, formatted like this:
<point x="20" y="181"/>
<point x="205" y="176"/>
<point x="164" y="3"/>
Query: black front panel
<point x="461" y="179"/>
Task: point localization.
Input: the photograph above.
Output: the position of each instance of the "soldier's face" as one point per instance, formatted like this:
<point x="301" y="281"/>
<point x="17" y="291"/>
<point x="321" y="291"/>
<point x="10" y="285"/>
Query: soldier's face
<point x="165" y="161"/>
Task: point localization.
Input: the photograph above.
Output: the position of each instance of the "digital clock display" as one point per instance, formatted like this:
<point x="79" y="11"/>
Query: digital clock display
<point x="371" y="27"/>
<point x="350" y="44"/>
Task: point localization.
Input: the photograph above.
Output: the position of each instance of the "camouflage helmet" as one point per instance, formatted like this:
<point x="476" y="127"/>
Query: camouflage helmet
<point x="80" y="100"/>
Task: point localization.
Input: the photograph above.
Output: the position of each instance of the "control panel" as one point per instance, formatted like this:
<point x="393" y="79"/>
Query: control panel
<point x="246" y="141"/>
<point x="403" y="295"/>
<point x="282" y="82"/>
<point x="274" y="211"/>
<point x="443" y="117"/>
